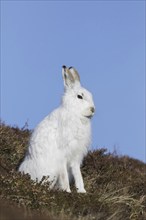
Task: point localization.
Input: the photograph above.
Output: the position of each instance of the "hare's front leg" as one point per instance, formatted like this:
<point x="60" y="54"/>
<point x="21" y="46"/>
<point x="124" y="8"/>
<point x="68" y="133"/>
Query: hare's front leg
<point x="78" y="178"/>
<point x="64" y="179"/>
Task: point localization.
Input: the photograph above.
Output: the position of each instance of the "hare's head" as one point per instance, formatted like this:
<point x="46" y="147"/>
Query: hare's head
<point x="76" y="99"/>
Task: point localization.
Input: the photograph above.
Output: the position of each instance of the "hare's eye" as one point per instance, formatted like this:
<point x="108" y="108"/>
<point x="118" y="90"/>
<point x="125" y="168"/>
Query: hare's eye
<point x="80" y="97"/>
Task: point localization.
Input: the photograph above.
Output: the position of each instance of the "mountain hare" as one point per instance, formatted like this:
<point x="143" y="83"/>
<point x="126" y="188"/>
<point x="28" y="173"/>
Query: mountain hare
<point x="60" y="142"/>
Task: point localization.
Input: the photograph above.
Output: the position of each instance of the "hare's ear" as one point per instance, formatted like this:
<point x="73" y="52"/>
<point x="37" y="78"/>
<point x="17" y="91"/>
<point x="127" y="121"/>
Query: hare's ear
<point x="75" y="74"/>
<point x="68" y="78"/>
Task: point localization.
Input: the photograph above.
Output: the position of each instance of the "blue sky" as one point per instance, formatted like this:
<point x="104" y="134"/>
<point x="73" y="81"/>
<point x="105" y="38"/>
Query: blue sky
<point x="103" y="40"/>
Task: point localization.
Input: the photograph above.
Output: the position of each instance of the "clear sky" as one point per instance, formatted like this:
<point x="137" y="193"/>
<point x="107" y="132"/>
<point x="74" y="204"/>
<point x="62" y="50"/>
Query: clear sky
<point x="103" y="40"/>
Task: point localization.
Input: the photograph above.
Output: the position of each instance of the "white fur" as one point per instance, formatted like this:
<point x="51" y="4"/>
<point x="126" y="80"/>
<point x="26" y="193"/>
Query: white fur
<point x="60" y="142"/>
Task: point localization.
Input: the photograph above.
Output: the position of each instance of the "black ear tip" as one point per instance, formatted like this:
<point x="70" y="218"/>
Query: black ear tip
<point x="70" y="67"/>
<point x="64" y="67"/>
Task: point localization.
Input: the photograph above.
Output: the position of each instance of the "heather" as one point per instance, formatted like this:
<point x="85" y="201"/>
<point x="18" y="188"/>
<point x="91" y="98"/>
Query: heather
<point x="115" y="185"/>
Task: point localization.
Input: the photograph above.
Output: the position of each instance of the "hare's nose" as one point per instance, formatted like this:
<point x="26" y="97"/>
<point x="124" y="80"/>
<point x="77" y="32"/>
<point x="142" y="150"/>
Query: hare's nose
<point x="92" y="109"/>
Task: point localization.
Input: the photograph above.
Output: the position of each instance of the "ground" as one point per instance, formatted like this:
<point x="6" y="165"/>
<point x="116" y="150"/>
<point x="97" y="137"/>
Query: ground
<point x="115" y="185"/>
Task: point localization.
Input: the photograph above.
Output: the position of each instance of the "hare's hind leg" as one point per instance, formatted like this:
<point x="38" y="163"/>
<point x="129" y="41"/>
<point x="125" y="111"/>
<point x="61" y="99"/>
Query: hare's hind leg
<point x="64" y="179"/>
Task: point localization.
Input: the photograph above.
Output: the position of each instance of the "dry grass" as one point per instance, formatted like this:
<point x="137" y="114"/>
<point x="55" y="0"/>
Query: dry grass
<point x="116" y="186"/>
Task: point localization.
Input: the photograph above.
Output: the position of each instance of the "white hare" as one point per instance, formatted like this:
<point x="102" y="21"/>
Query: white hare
<point x="60" y="142"/>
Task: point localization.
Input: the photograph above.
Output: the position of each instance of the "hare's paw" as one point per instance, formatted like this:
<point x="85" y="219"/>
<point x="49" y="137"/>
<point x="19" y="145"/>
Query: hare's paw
<point x="81" y="190"/>
<point x="68" y="191"/>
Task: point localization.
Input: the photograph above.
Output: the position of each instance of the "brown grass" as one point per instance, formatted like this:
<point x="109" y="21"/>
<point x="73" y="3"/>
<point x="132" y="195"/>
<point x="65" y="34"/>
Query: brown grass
<point x="116" y="186"/>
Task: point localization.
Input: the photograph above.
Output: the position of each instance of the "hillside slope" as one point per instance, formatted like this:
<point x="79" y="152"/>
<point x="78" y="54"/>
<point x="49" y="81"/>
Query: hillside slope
<point x="116" y="186"/>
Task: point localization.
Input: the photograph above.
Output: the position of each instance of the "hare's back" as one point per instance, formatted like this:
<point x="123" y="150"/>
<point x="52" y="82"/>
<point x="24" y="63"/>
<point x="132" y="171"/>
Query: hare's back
<point x="45" y="134"/>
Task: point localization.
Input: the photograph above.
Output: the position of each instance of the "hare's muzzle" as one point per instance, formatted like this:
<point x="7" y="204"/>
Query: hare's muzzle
<point x="92" y="109"/>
